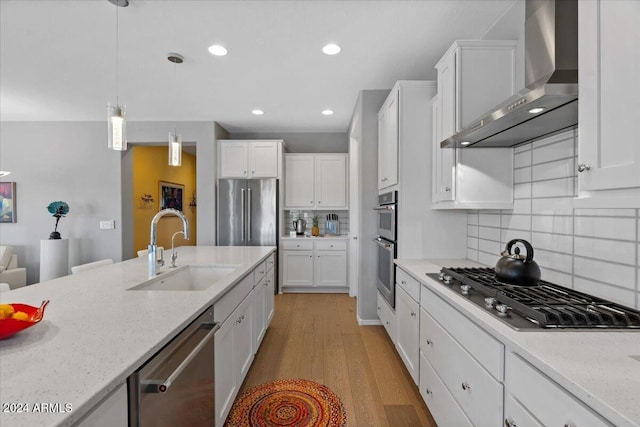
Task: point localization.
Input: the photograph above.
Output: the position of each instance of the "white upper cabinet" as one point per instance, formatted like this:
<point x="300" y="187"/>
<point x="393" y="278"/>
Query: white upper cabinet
<point x="388" y="141"/>
<point x="473" y="77"/>
<point x="609" y="66"/>
<point x="316" y="181"/>
<point x="249" y="159"/>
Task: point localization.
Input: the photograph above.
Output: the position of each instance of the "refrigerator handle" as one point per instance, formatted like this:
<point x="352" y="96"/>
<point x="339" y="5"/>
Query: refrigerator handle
<point x="243" y="212"/>
<point x="249" y="215"/>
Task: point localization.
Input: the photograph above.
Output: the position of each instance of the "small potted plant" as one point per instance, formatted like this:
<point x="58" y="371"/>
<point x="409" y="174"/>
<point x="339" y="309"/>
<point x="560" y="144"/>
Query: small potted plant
<point x="58" y="209"/>
<point x="315" y="230"/>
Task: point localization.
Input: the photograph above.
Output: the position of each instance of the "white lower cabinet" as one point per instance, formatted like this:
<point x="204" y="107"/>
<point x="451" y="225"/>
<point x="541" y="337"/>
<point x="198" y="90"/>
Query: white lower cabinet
<point x="387" y="317"/>
<point x="408" y="332"/>
<point x="543" y="399"/>
<point x="516" y="415"/>
<point x="441" y="404"/>
<point x="263" y="300"/>
<point x="110" y="412"/>
<point x="298" y="268"/>
<point x="319" y="264"/>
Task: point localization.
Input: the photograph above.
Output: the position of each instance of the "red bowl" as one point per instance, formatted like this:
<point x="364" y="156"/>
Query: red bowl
<point x="11" y="326"/>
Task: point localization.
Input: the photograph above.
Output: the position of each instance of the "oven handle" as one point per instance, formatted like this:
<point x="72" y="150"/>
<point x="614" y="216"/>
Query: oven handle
<point x="383" y="243"/>
<point x="385" y="208"/>
<point x="161" y="386"/>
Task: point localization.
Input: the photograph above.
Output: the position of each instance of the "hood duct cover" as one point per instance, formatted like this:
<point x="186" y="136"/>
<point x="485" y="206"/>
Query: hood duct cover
<point x="551" y="79"/>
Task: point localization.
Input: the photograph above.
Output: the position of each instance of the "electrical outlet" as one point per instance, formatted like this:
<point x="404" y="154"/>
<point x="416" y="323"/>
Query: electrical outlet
<point x="107" y="225"/>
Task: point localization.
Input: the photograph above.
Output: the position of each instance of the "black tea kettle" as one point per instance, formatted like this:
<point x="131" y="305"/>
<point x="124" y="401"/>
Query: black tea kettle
<point x="518" y="269"/>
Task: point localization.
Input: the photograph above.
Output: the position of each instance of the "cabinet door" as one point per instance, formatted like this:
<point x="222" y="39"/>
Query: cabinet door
<point x="233" y="160"/>
<point x="609" y="68"/>
<point x="391" y="152"/>
<point x="299" y="182"/>
<point x="263" y="159"/>
<point x="110" y="412"/>
<point x="298" y="268"/>
<point x="259" y="314"/>
<point x="226" y="384"/>
<point x="407" y="332"/>
<point x="243" y="339"/>
<point x="382" y="143"/>
<point x="331" y="182"/>
<point x="331" y="268"/>
<point x="269" y="297"/>
<point x="444" y="160"/>
<point x="447" y="94"/>
<point x="515" y="415"/>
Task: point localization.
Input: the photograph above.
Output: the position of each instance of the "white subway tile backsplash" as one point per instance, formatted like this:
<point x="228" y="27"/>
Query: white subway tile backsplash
<point x="615" y="274"/>
<point x="552" y="224"/>
<point x="489" y="220"/>
<point x="552" y="152"/>
<point x="522" y="175"/>
<point x="522" y="191"/>
<point x="593" y="250"/>
<point x="602" y="290"/>
<point x="607" y="250"/>
<point x="552" y="170"/>
<point x="612" y="228"/>
<point x="522" y="159"/>
<point x="489" y="233"/>
<point x="516" y="222"/>
<point x="561" y="187"/>
<point x="555" y="260"/>
<point x="552" y="242"/>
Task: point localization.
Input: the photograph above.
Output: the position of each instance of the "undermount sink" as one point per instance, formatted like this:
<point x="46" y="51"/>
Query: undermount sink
<point x="187" y="278"/>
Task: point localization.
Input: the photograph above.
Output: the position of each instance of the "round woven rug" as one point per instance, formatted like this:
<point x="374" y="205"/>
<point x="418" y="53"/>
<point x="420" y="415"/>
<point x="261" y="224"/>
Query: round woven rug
<point x="290" y="403"/>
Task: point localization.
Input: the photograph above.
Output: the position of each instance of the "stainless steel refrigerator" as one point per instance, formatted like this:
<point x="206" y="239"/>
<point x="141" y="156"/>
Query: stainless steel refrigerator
<point x="247" y="212"/>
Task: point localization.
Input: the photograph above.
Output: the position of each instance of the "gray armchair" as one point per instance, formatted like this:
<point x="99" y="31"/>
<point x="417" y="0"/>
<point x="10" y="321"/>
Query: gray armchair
<point x="10" y="273"/>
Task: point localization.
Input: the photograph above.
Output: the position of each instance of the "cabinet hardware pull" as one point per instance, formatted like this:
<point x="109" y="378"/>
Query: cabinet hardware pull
<point x="429" y="342"/>
<point x="447" y="189"/>
<point x="466" y="386"/>
<point x="403" y="282"/>
<point x="319" y="201"/>
<point x="253" y="171"/>
<point x="583" y="167"/>
<point x="413" y="314"/>
<point x="428" y="391"/>
<point x="508" y="422"/>
<point x="311" y="202"/>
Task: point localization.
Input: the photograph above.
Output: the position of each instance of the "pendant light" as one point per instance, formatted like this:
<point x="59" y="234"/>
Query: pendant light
<point x="116" y="120"/>
<point x="175" y="139"/>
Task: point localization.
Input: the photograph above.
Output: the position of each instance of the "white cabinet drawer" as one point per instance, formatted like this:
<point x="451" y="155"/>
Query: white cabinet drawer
<point x="441" y="404"/>
<point x="485" y="348"/>
<point x="297" y="244"/>
<point x="225" y="306"/>
<point x="479" y="395"/>
<point x="387" y="317"/>
<point x="260" y="271"/>
<point x="544" y="399"/>
<point x="408" y="283"/>
<point x="331" y="245"/>
<point x="516" y="415"/>
<point x="271" y="261"/>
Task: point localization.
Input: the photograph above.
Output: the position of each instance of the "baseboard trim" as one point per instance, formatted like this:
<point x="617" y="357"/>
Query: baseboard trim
<point x="369" y="322"/>
<point x="314" y="290"/>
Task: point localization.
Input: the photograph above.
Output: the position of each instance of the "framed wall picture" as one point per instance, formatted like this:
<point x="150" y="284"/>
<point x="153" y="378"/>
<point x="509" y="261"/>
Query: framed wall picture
<point x="171" y="195"/>
<point x="8" y="201"/>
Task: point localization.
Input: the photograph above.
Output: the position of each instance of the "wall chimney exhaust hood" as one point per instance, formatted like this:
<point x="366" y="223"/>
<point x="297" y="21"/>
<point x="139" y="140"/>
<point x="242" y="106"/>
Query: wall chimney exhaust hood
<point x="549" y="102"/>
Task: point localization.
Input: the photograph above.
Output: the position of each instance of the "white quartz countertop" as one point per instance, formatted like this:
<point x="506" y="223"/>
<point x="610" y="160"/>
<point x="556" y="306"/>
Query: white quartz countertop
<point x="95" y="332"/>
<point x="595" y="366"/>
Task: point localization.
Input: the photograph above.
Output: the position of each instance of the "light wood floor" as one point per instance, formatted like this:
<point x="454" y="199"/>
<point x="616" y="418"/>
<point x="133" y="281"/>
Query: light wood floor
<point x="317" y="337"/>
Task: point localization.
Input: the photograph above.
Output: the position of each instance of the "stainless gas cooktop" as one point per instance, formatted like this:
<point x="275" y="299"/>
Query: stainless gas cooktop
<point x="545" y="306"/>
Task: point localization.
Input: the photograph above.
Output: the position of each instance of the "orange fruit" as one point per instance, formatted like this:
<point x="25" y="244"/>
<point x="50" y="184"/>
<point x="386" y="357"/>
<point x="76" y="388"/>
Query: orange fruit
<point x="20" y="315"/>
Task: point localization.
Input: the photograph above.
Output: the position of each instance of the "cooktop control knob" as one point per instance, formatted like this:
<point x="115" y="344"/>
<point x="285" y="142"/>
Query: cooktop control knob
<point x="503" y="310"/>
<point x="447" y="279"/>
<point x="489" y="302"/>
<point x="441" y="275"/>
<point x="465" y="289"/>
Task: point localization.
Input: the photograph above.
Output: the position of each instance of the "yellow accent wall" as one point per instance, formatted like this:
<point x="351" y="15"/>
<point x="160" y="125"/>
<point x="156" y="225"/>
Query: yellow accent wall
<point x="150" y="166"/>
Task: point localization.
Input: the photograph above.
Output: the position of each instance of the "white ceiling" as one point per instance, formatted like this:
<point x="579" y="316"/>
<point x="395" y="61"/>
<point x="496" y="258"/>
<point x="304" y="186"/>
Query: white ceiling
<point x="57" y="59"/>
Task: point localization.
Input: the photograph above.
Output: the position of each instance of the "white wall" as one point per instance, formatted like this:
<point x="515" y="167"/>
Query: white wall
<point x="66" y="161"/>
<point x="591" y="250"/>
<point x="70" y="161"/>
<point x="300" y="142"/>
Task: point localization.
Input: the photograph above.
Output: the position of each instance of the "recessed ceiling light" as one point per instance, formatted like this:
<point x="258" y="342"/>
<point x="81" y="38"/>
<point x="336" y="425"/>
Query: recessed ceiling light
<point x="217" y="50"/>
<point x="257" y="112"/>
<point x="465" y="143"/>
<point x="536" y="110"/>
<point x="327" y="112"/>
<point x="4" y="173"/>
<point x="331" y="49"/>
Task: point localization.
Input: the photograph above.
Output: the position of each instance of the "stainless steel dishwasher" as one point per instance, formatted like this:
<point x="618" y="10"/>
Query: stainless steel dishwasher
<point x="176" y="386"/>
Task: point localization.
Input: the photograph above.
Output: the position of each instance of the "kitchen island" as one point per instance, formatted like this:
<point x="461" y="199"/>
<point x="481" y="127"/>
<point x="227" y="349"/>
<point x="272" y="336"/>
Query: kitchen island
<point x="96" y="332"/>
<point x="595" y="371"/>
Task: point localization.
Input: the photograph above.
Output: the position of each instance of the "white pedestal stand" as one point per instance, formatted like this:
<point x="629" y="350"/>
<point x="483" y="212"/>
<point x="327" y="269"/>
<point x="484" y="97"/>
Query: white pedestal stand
<point x="54" y="258"/>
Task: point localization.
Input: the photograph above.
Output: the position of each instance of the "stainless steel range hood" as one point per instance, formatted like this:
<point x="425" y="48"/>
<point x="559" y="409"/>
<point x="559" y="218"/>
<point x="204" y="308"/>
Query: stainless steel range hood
<point x="551" y="80"/>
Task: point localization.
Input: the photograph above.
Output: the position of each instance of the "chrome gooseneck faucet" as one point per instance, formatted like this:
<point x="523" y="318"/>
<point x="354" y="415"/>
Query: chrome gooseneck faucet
<point x="153" y="249"/>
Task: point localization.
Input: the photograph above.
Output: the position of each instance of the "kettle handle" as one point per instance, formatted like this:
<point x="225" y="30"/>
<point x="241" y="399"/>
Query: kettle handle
<point x="527" y="246"/>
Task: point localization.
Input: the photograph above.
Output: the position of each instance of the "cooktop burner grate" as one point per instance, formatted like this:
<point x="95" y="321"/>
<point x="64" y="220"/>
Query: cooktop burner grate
<point x="548" y="305"/>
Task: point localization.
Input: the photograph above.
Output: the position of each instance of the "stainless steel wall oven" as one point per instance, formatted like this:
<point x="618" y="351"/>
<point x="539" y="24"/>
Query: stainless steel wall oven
<point x="387" y="211"/>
